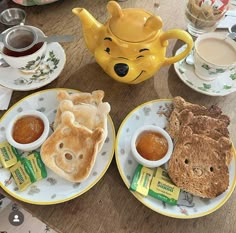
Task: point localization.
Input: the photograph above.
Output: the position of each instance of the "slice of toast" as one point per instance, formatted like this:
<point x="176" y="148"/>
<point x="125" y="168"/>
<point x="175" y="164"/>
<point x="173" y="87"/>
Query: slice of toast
<point x="198" y="164"/>
<point x="202" y="120"/>
<point x="206" y="121"/>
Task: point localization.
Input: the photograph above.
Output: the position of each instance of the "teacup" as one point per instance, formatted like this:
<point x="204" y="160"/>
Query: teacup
<point x="25" y="61"/>
<point x="214" y="54"/>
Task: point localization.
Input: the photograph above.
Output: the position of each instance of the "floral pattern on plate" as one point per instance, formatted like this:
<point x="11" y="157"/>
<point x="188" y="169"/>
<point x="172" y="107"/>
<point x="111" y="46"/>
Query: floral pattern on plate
<point x="221" y="86"/>
<point x="53" y="189"/>
<point x="156" y="113"/>
<point x="48" y="70"/>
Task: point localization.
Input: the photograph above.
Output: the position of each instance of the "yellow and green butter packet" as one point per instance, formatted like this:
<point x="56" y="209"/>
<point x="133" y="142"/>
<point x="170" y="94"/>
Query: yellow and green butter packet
<point x="163" y="189"/>
<point x="37" y="165"/>
<point x="8" y="154"/>
<point x="23" y="174"/>
<point x="142" y="180"/>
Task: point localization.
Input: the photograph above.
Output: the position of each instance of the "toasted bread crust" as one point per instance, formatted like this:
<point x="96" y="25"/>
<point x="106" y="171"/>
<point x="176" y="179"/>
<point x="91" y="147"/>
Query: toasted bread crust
<point x="203" y="149"/>
<point x="198" y="165"/>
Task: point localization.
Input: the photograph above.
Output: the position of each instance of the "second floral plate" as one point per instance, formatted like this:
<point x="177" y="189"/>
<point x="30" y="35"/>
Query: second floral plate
<point x="156" y="113"/>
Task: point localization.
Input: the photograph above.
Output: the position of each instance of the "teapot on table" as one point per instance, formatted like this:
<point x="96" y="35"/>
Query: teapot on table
<point x="130" y="46"/>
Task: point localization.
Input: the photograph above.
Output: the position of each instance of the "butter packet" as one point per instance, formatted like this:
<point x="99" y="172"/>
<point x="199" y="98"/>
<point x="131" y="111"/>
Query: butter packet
<point x="142" y="180"/>
<point x="37" y="165"/>
<point x="23" y="174"/>
<point x="163" y="189"/>
<point x="8" y="154"/>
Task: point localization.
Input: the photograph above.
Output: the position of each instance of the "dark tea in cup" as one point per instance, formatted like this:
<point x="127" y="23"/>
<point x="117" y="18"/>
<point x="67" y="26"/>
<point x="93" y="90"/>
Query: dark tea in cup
<point x="20" y="48"/>
<point x="32" y="50"/>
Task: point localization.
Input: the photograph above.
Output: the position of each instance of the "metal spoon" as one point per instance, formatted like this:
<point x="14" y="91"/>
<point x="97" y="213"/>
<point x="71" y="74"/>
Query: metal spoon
<point x="190" y="59"/>
<point x="22" y="38"/>
<point x="56" y="38"/>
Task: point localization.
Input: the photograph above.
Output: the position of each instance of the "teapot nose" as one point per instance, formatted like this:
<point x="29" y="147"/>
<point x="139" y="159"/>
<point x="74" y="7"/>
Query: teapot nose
<point x="121" y="69"/>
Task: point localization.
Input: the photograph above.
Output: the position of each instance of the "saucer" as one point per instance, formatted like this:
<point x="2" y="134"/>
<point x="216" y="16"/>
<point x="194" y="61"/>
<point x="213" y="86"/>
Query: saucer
<point x="221" y="86"/>
<point x="49" y="69"/>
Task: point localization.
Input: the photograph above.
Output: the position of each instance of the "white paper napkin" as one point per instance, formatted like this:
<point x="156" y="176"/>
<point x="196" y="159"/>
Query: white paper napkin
<point x="229" y="20"/>
<point x="233" y="2"/>
<point x="5" y="97"/>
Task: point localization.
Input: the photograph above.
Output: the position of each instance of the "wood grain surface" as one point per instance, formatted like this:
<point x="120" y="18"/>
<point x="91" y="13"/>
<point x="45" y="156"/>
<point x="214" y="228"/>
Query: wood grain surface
<point x="109" y="206"/>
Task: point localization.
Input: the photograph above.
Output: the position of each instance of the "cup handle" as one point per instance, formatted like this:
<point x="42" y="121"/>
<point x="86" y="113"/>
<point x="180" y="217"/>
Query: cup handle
<point x="176" y="34"/>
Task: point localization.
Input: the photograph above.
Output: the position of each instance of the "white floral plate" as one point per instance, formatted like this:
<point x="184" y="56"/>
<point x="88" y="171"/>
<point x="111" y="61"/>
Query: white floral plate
<point x="156" y="113"/>
<point x="49" y="69"/>
<point x="221" y="86"/>
<point x="53" y="189"/>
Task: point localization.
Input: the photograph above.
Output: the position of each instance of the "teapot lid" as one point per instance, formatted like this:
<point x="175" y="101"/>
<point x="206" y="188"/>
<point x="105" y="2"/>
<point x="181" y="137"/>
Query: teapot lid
<point x="133" y="25"/>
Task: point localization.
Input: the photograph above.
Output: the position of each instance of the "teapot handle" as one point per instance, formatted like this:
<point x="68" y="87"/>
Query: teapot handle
<point x="176" y="34"/>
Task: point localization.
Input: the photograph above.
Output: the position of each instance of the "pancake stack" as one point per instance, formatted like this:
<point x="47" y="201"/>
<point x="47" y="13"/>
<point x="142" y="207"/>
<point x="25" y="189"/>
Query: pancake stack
<point x="80" y="130"/>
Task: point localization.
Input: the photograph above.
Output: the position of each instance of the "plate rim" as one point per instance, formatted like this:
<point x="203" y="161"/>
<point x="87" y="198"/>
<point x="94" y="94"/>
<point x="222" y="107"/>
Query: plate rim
<point x="141" y="198"/>
<point x="46" y="83"/>
<point x="86" y="189"/>
<point x="176" y="66"/>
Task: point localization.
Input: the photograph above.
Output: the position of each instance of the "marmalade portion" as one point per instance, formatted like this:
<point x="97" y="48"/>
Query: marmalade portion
<point x="27" y="129"/>
<point x="152" y="145"/>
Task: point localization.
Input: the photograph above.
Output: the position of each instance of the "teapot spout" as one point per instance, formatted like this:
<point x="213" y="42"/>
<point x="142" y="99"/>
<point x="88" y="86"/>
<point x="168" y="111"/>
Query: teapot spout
<point x="91" y="27"/>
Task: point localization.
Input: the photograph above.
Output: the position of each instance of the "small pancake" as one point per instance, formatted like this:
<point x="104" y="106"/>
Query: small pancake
<point x="72" y="149"/>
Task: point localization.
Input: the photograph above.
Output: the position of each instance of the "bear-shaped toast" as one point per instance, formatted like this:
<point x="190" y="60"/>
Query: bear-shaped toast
<point x="72" y="149"/>
<point x="198" y="164"/>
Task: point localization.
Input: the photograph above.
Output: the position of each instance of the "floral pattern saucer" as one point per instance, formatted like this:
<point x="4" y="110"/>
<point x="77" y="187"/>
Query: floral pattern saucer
<point x="49" y="69"/>
<point x="188" y="206"/>
<point x="53" y="189"/>
<point x="221" y="86"/>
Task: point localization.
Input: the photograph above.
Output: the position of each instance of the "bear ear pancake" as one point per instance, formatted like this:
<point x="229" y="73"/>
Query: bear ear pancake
<point x="104" y="108"/>
<point x="114" y="9"/>
<point x="98" y="95"/>
<point x="66" y="105"/>
<point x="67" y="118"/>
<point x="62" y="95"/>
<point x="98" y="135"/>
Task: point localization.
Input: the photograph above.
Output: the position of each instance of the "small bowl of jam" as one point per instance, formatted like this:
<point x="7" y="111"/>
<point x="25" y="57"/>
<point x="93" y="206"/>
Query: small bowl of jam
<point x="151" y="146"/>
<point x="28" y="130"/>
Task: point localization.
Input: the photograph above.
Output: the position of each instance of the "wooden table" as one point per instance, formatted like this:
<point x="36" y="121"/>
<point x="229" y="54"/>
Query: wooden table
<point x="109" y="205"/>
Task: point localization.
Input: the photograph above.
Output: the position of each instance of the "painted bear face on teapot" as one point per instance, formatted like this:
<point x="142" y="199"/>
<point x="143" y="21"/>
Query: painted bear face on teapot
<point x="130" y="46"/>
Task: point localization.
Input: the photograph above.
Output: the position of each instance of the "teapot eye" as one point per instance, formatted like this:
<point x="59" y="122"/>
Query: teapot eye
<point x="140" y="56"/>
<point x="107" y="50"/>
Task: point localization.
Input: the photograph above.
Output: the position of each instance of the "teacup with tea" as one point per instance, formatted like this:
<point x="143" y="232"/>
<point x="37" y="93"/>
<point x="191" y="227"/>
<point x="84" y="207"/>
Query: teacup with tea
<point x="214" y="54"/>
<point x="19" y="50"/>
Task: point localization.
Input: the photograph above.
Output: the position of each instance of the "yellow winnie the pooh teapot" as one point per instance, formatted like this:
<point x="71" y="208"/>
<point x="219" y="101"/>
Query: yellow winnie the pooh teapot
<point x="130" y="46"/>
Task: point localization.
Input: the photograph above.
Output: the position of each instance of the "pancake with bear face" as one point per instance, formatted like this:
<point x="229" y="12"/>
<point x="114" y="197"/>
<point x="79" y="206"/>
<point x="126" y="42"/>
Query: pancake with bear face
<point x="72" y="149"/>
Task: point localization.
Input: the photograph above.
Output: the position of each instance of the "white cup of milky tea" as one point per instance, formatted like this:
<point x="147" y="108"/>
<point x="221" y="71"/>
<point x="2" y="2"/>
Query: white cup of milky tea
<point x="214" y="54"/>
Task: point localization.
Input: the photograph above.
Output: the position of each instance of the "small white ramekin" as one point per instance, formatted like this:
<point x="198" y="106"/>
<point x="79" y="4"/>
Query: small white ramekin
<point x="33" y="145"/>
<point x="139" y="158"/>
